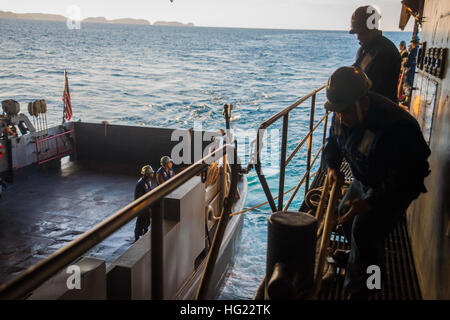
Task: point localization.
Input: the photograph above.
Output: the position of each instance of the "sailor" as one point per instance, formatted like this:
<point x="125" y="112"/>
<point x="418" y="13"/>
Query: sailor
<point x="387" y="154"/>
<point x="404" y="56"/>
<point x="410" y="68"/>
<point x="165" y="172"/>
<point x="402" y="50"/>
<point x="378" y="57"/>
<point x="144" y="185"/>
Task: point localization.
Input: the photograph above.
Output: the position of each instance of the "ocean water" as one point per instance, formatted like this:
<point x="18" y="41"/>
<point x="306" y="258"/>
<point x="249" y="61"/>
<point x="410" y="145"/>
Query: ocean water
<point x="180" y="78"/>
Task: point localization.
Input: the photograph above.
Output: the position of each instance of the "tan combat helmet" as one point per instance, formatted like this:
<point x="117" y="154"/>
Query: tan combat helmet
<point x="165" y="160"/>
<point x="346" y="86"/>
<point x="147" y="170"/>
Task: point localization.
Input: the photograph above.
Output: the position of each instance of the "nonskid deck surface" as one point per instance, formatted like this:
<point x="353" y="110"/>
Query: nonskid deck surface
<point x="45" y="210"/>
<point x="399" y="279"/>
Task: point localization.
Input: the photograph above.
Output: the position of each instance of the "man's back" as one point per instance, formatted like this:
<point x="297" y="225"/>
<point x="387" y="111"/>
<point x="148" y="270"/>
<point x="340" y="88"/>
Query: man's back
<point x="142" y="187"/>
<point x="410" y="66"/>
<point x="162" y="175"/>
<point x="387" y="150"/>
<point x="380" y="60"/>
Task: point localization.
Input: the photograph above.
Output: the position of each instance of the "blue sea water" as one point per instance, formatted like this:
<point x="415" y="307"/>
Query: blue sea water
<point x="177" y="77"/>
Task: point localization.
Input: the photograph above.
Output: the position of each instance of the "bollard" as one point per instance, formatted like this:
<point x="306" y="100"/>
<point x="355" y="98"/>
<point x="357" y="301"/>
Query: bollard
<point x="290" y="255"/>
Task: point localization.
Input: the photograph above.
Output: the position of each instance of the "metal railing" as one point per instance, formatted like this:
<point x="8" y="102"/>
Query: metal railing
<point x="58" y="153"/>
<point x="284" y="161"/>
<point x="37" y="274"/>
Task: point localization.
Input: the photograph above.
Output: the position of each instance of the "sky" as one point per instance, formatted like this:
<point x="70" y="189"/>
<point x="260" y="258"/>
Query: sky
<point x="277" y="14"/>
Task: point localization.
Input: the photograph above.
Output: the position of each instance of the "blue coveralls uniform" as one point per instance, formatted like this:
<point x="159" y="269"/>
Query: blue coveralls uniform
<point x="387" y="156"/>
<point x="410" y="66"/>
<point x="381" y="61"/>
<point x="143" y="220"/>
<point x="166" y="175"/>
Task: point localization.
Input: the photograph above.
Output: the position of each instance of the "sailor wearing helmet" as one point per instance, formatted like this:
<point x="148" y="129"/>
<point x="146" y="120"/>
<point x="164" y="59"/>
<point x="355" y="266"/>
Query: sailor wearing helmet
<point x="144" y="185"/>
<point x="165" y="172"/>
<point x="387" y="154"/>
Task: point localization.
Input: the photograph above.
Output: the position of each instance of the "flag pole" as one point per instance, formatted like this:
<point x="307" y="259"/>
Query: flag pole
<point x="64" y="94"/>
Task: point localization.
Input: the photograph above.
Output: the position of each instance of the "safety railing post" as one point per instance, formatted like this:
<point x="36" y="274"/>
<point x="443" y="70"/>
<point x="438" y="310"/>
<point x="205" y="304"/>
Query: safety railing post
<point x="283" y="161"/>
<point x="328" y="224"/>
<point x="56" y="142"/>
<point x="325" y="129"/>
<point x="157" y="250"/>
<point x="264" y="126"/>
<point x="258" y="168"/>
<point x="310" y="140"/>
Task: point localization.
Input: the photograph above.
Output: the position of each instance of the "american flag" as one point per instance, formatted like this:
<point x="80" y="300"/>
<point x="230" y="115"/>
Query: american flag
<point x="66" y="99"/>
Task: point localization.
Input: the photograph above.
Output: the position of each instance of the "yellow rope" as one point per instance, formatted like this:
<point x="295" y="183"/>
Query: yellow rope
<point x="259" y="205"/>
<point x="264" y="203"/>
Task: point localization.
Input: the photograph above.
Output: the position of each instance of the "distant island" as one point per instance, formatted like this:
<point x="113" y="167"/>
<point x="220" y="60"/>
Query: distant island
<point x="32" y="16"/>
<point x="173" y="24"/>
<point x="117" y="21"/>
<point x="56" y="17"/>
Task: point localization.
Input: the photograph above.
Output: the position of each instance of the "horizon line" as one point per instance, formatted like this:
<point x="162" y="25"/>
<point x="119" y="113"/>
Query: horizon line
<point x="198" y="26"/>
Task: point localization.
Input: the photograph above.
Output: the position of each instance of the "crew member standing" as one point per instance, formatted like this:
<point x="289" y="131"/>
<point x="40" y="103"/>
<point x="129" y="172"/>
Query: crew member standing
<point x="410" y="69"/>
<point x="165" y="172"/>
<point x="404" y="57"/>
<point x="144" y="185"/>
<point x="387" y="154"/>
<point x="402" y="50"/>
<point x="378" y="57"/>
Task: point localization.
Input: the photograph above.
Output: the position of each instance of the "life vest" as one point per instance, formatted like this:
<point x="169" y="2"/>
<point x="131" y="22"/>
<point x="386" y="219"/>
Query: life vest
<point x="166" y="175"/>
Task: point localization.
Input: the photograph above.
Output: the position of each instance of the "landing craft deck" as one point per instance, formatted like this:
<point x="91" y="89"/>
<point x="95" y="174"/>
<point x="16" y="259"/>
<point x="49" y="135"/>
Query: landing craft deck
<point x="45" y="209"/>
<point x="61" y="203"/>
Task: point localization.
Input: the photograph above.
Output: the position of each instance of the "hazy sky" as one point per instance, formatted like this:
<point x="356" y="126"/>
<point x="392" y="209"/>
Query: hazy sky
<point x="290" y="14"/>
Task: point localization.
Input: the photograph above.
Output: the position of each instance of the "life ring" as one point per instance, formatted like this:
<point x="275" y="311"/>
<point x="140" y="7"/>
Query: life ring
<point x="2" y="150"/>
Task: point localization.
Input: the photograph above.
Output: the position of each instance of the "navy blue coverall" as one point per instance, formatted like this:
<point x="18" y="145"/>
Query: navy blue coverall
<point x="387" y="155"/>
<point x="410" y="65"/>
<point x="166" y="175"/>
<point x="143" y="220"/>
<point x="381" y="61"/>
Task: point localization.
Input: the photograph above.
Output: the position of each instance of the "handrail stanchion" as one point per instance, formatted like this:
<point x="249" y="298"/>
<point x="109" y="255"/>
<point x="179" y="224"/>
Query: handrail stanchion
<point x="157" y="245"/>
<point x="324" y="140"/>
<point x="310" y="140"/>
<point x="283" y="161"/>
<point x="259" y="172"/>
<point x="329" y="222"/>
